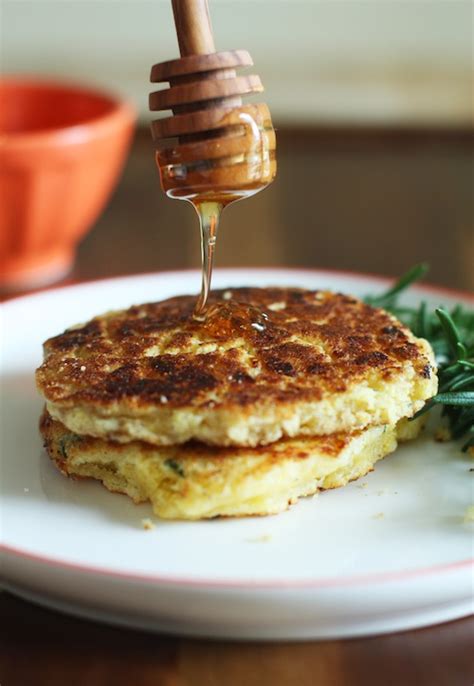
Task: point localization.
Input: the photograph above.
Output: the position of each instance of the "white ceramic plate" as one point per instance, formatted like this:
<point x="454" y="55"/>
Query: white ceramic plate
<point x="389" y="552"/>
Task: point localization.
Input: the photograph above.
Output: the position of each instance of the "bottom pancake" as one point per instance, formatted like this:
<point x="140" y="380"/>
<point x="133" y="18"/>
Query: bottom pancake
<point x="196" y="481"/>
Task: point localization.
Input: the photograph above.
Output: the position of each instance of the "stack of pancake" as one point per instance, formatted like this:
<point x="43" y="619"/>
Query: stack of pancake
<point x="278" y="393"/>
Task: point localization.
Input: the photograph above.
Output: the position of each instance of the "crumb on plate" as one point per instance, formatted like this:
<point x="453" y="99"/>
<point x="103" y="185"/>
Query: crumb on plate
<point x="442" y="434"/>
<point x="147" y="524"/>
<point x="265" y="538"/>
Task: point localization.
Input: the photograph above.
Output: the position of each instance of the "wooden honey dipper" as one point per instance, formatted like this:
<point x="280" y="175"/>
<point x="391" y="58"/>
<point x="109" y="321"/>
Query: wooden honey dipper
<point x="213" y="149"/>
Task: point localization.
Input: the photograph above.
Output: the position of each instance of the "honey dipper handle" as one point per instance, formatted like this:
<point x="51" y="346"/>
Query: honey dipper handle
<point x="193" y="27"/>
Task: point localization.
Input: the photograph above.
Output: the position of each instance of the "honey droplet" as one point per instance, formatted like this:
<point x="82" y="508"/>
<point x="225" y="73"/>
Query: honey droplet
<point x="227" y="319"/>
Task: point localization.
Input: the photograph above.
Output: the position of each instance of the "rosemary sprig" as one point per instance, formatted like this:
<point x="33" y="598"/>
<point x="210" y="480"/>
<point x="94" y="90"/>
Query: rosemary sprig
<point x="451" y="334"/>
<point x="389" y="297"/>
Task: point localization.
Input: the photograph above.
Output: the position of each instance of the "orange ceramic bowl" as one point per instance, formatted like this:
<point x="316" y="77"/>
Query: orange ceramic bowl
<point x="62" y="148"/>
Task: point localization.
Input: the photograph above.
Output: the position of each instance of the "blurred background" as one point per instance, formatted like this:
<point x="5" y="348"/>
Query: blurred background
<point x="373" y="105"/>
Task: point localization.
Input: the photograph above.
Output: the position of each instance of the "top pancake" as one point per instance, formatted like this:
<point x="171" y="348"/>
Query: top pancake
<point x="266" y="363"/>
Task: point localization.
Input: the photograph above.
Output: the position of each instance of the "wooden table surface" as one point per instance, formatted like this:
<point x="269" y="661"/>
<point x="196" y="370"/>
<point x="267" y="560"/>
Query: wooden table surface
<point x="354" y="200"/>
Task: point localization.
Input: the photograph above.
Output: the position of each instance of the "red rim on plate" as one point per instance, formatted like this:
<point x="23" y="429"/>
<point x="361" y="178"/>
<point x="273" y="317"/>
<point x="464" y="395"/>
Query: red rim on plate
<point x="364" y="276"/>
<point x="323" y="582"/>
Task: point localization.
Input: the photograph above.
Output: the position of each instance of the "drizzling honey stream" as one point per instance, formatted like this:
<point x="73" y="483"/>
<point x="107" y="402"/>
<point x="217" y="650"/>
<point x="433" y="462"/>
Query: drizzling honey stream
<point x="213" y="150"/>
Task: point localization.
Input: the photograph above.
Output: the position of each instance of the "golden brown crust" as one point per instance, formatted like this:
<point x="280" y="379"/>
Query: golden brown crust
<point x="273" y="345"/>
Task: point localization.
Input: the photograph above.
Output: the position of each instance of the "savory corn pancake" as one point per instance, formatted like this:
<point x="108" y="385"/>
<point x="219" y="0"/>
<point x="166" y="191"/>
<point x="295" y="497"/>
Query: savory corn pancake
<point x="197" y="481"/>
<point x="267" y="363"/>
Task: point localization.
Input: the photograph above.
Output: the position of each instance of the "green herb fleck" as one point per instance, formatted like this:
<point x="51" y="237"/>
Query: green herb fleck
<point x="176" y="467"/>
<point x="64" y="443"/>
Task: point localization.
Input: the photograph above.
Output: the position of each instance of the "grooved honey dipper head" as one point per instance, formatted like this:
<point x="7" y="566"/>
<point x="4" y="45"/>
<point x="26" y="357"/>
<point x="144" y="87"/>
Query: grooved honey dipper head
<point x="212" y="144"/>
